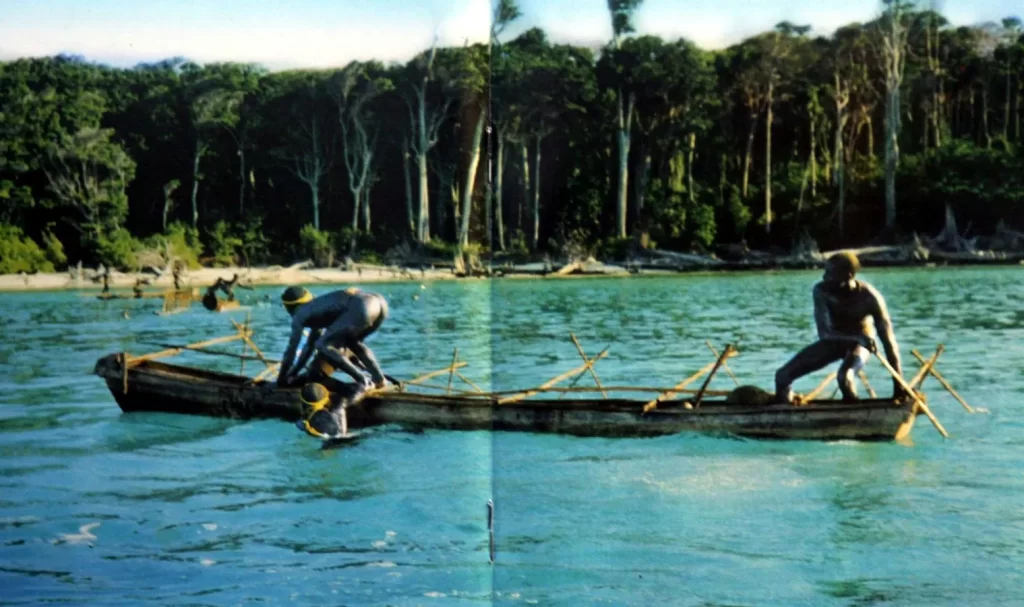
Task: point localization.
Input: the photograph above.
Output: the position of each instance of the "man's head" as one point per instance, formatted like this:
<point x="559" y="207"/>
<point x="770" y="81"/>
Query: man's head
<point x="841" y="268"/>
<point x="319" y="421"/>
<point x="293" y="297"/>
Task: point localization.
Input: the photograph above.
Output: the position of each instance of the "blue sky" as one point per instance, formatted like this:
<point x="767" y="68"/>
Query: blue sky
<point x="283" y="34"/>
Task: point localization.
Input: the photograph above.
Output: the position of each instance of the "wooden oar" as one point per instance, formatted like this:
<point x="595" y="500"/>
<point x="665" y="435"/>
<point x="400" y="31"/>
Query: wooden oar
<point x="922" y="373"/>
<point x="945" y="384"/>
<point x="725" y="365"/>
<point x="555" y="380"/>
<point x="910" y="392"/>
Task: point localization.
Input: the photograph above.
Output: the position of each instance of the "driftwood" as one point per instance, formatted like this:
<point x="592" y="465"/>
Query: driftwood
<point x="685" y="258"/>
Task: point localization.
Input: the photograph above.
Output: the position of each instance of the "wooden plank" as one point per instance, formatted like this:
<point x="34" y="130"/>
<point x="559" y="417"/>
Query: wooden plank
<point x="564" y="376"/>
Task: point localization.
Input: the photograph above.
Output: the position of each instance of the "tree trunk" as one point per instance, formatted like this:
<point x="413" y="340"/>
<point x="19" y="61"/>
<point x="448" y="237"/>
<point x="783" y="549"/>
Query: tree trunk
<point x="892" y="150"/>
<point x="408" y="190"/>
<point x="536" y="196"/>
<point x="1006" y="109"/>
<point x="241" y="178"/>
<point x="748" y="157"/>
<point x="357" y="200"/>
<point x="623" y="137"/>
<point x="722" y="180"/>
<point x="871" y="134"/>
<point x="984" y="117"/>
<point x="1016" y="111"/>
<point x="768" y="159"/>
<point x="974" y="119"/>
<point x="499" y="208"/>
<point x="366" y="208"/>
<point x="525" y="198"/>
<point x="689" y="168"/>
<point x="814" y="159"/>
<point x="195" y="185"/>
<point x="642" y="181"/>
<point x="467" y="189"/>
<point x="423" y="234"/>
<point x="315" y="198"/>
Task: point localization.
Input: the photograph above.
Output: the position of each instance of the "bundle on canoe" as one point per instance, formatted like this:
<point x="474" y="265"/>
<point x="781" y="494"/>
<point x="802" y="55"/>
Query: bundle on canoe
<point x="143" y="383"/>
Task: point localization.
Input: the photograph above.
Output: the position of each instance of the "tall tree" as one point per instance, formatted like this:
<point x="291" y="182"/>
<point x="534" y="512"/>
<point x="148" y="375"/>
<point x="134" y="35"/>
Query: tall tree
<point x="893" y="33"/>
<point x="622" y="23"/>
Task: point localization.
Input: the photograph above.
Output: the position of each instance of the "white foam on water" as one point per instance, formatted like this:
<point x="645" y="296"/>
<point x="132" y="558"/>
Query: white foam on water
<point x="210" y="526"/>
<point x="207" y="562"/>
<point x="380" y="544"/>
<point x="84" y="534"/>
<point x="390" y="534"/>
<point x="387" y="564"/>
<point x="435" y="595"/>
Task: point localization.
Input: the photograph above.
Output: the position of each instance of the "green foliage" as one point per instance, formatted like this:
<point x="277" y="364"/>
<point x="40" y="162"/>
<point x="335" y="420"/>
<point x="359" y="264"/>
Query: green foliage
<point x="19" y="253"/>
<point x="53" y="249"/>
<point x="178" y="242"/>
<point x="255" y="244"/>
<point x="223" y="245"/>
<point x="320" y="246"/>
<point x="117" y="249"/>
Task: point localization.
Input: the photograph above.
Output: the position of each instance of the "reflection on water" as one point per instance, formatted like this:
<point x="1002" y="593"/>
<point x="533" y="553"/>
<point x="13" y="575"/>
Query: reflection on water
<point x="98" y="507"/>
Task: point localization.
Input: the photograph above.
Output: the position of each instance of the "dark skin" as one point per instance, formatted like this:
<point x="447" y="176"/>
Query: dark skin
<point x="337" y="328"/>
<point x="843" y="307"/>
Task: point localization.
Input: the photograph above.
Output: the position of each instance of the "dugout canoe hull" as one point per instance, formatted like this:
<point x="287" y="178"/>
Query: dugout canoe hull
<point x="155" y="386"/>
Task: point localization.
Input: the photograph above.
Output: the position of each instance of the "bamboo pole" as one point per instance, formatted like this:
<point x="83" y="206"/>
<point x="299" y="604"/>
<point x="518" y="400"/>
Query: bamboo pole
<point x="912" y="394"/>
<point x="465" y="379"/>
<point x="247" y="336"/>
<point x="922" y="373"/>
<point x="867" y="386"/>
<point x="593" y="373"/>
<point x="726" y="365"/>
<point x="265" y="373"/>
<point x="422" y="378"/>
<point x="818" y="390"/>
<point x="668" y="394"/>
<point x="718" y="363"/>
<point x="945" y="384"/>
<point x="455" y="359"/>
<point x="527" y="393"/>
<point x="132" y="361"/>
<point x="242" y="357"/>
<point x="241" y="367"/>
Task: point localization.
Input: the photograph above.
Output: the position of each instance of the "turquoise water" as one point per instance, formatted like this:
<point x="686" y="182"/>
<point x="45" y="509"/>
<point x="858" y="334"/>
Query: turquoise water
<point x="102" y="508"/>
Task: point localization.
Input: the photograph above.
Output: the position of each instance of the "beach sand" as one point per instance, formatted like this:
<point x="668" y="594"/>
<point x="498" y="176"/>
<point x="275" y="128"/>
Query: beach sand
<point x="204" y="277"/>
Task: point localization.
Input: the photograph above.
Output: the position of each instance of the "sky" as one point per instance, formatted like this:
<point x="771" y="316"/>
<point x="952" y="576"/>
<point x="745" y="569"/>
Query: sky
<point x="284" y="34"/>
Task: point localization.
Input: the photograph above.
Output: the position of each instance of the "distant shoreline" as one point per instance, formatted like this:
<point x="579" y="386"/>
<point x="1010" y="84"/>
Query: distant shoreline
<point x="279" y="276"/>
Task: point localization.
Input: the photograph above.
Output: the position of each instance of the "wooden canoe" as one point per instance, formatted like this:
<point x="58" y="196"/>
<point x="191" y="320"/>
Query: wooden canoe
<point x="154" y="386"/>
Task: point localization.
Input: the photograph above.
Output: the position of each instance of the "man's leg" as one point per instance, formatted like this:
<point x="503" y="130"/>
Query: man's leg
<point x="808" y="360"/>
<point x="376" y="309"/>
<point x="852" y="364"/>
<point x="344" y="334"/>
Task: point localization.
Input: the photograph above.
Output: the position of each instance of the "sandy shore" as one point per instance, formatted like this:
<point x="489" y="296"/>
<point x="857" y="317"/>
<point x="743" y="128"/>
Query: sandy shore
<point x="204" y="277"/>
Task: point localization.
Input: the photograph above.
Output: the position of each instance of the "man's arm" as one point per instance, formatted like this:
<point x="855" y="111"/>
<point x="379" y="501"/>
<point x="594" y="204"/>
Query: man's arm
<point x="289" y="353"/>
<point x="307" y="351"/>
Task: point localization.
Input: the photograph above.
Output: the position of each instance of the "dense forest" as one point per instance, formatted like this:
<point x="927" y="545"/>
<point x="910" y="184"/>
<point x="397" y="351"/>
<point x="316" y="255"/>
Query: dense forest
<point x="520" y="145"/>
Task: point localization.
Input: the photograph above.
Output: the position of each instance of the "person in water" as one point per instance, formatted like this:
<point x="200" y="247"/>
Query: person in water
<point x="842" y="307"/>
<point x="227" y="286"/>
<point x="337" y="321"/>
<point x="137" y="289"/>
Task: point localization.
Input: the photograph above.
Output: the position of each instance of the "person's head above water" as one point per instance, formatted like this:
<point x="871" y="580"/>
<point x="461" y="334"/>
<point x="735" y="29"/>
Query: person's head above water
<point x="841" y="268"/>
<point x="293" y="297"/>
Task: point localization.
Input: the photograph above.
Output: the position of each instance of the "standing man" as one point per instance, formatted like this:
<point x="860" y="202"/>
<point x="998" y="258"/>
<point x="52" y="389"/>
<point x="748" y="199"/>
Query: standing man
<point x="842" y="307"/>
